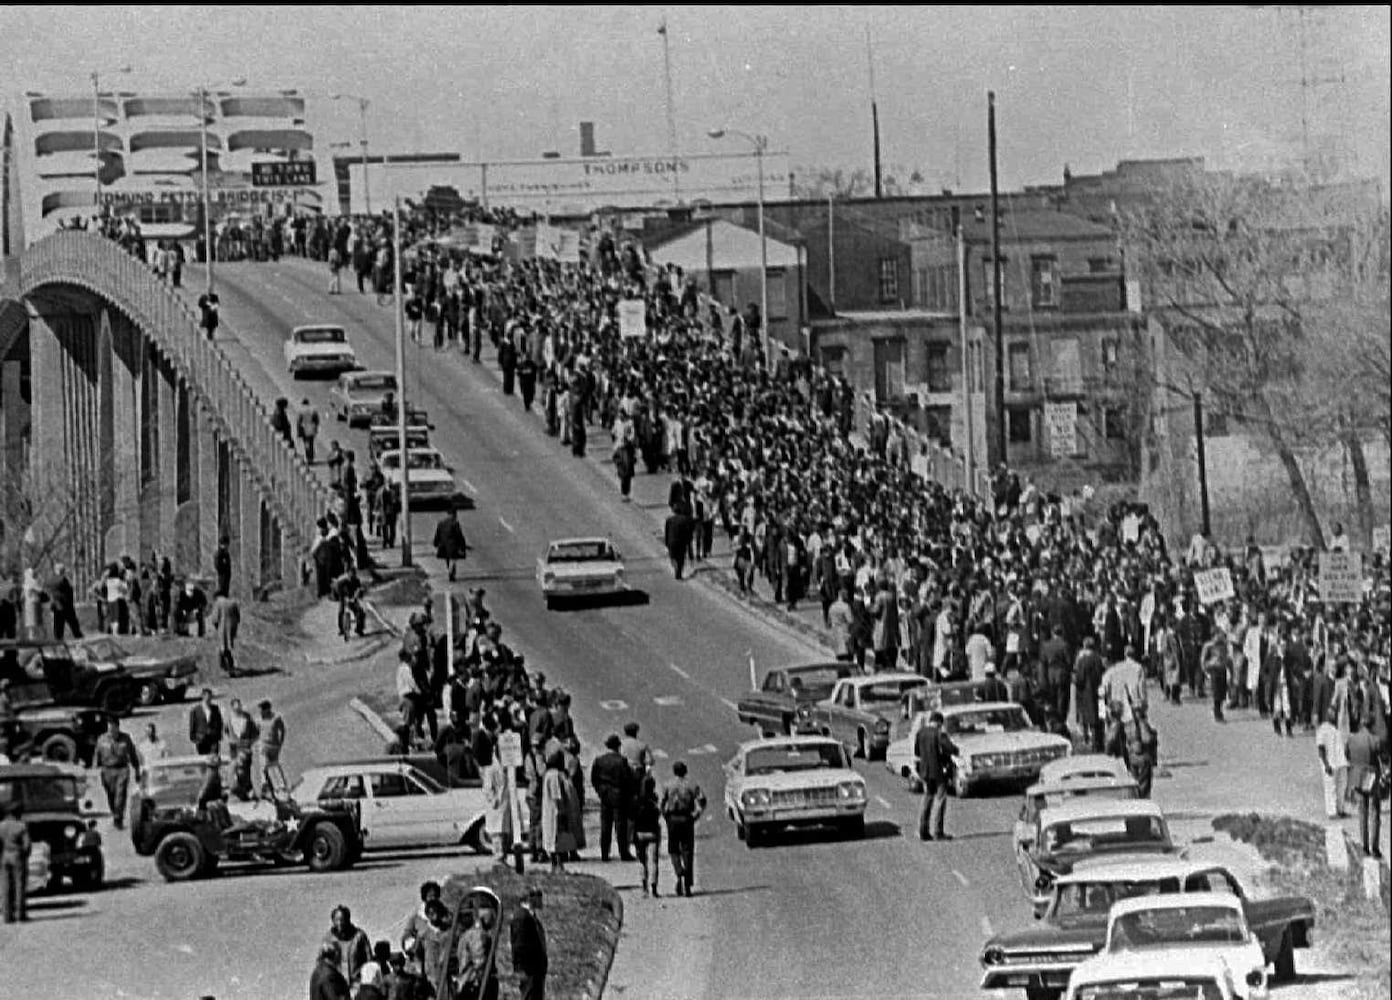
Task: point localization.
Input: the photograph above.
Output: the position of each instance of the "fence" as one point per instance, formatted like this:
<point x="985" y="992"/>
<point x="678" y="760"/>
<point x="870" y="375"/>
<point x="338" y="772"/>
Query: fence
<point x="927" y="457"/>
<point x="292" y="491"/>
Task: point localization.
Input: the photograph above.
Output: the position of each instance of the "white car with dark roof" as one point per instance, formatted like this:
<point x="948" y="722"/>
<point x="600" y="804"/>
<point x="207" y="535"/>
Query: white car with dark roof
<point x="793" y="781"/>
<point x="319" y="349"/>
<point x="575" y="568"/>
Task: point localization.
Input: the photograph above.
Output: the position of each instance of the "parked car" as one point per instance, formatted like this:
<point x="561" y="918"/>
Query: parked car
<point x="159" y="679"/>
<point x="1179" y="932"/>
<point x="401" y="807"/>
<point x="1073" y="924"/>
<point x="190" y="841"/>
<point x="49" y="669"/>
<point x="862" y="710"/>
<point x="318" y="349"/>
<point x="580" y="567"/>
<point x="782" y="704"/>
<point x="53" y="813"/>
<point x="1086" y="828"/>
<point x="1170" y="974"/>
<point x="1039" y="797"/>
<point x="1083" y="766"/>
<point x="39" y="728"/>
<point x="993" y="742"/>
<point x="358" y="395"/>
<point x="431" y="479"/>
<point x="387" y="437"/>
<point x="793" y="780"/>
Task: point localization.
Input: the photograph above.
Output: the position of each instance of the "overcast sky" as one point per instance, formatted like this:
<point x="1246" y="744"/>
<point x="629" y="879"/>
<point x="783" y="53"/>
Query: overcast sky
<point x="1077" y="85"/>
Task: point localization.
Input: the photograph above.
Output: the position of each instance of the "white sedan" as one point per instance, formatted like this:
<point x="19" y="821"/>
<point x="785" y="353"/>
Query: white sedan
<point x="580" y="567"/>
<point x="431" y="480"/>
<point x="994" y="741"/>
<point x="793" y="781"/>
<point x="401" y="807"/>
<point x="322" y="348"/>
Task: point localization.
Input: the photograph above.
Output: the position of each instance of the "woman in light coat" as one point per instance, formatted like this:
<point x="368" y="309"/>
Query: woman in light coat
<point x="557" y="838"/>
<point x="32" y="600"/>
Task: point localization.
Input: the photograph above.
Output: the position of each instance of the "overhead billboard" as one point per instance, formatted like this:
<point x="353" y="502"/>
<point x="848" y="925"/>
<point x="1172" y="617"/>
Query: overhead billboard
<point x="580" y="185"/>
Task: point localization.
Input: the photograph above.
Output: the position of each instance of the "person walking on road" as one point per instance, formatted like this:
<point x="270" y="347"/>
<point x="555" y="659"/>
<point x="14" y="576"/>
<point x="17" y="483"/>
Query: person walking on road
<point x="558" y="838"/>
<point x="682" y="805"/>
<point x="14" y="862"/>
<point x="1215" y="660"/>
<point x="352" y="950"/>
<point x="115" y="757"/>
<point x="1365" y="783"/>
<point x="226" y="620"/>
<point x="63" y="602"/>
<point x="647" y="831"/>
<point x="222" y="565"/>
<point x="529" y="951"/>
<point x="934" y="754"/>
<point x="205" y="725"/>
<point x="280" y="421"/>
<point x="307" y="424"/>
<point x="677" y="535"/>
<point x="450" y="544"/>
<point x="242" y="737"/>
<point x="326" y="982"/>
<point x="613" y="782"/>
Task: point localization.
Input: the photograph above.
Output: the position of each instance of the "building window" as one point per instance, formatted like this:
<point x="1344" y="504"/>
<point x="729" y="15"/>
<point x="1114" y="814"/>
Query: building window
<point x="920" y="293"/>
<point x="1111" y="354"/>
<point x="725" y="287"/>
<point x="1114" y="423"/>
<point x="833" y="359"/>
<point x="1019" y="357"/>
<point x="1044" y="282"/>
<point x="1019" y="426"/>
<point x="777" y="294"/>
<point x="1100" y="265"/>
<point x="889" y="279"/>
<point x="939" y="373"/>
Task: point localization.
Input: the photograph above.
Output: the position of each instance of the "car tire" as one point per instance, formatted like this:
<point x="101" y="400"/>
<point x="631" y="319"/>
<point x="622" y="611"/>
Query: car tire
<point x="117" y="699"/>
<point x="59" y="749"/>
<point x="180" y="857"/>
<point x="753" y="836"/>
<point x="477" y="838"/>
<point x="91" y="879"/>
<point x="1284" y="966"/>
<point x="550" y="604"/>
<point x="862" y="745"/>
<point x="327" y="850"/>
<point x="1042" y="993"/>
<point x="961" y="787"/>
<point x="148" y="694"/>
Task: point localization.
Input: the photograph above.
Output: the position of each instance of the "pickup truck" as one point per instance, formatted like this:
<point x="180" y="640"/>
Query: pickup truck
<point x="1073" y="925"/>
<point x="863" y="711"/>
<point x="783" y="702"/>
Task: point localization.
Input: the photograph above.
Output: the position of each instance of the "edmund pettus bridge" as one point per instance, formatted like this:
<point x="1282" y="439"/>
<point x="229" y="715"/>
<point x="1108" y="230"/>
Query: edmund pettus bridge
<point x="125" y="430"/>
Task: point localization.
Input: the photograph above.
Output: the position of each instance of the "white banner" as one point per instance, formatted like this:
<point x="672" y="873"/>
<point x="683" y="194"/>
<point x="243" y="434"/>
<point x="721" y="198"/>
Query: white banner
<point x="1341" y="577"/>
<point x="1214" y="585"/>
<point x="1062" y="421"/>
<point x="633" y="318"/>
<point x="1381" y="537"/>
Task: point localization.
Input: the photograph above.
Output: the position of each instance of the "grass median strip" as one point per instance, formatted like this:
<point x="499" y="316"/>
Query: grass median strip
<point x="582" y="915"/>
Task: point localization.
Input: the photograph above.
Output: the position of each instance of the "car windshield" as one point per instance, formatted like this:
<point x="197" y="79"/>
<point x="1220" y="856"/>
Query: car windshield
<point x="778" y="759"/>
<point x="888" y="692"/>
<point x="1091" y="901"/>
<point x="1048" y="800"/>
<point x="1167" y="988"/>
<point x="987" y="720"/>
<point x="580" y="552"/>
<point x="814" y="684"/>
<point x="430" y="784"/>
<point x="419" y="460"/>
<point x="1083" y="835"/>
<point x="320" y="335"/>
<point x="1176" y="925"/>
<point x="371" y="383"/>
<point x="48" y="794"/>
<point x="98" y="649"/>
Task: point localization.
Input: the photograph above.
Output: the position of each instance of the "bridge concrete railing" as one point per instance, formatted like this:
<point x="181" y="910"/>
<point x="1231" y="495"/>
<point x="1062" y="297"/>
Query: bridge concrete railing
<point x="294" y="494"/>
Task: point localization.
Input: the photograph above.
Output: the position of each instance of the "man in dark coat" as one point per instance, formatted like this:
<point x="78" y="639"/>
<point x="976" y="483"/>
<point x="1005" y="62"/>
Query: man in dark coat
<point x="62" y="601"/>
<point x="507" y="362"/>
<point x="527" y="380"/>
<point x="1087" y="679"/>
<point x="222" y="565"/>
<point x="614" y="783"/>
<point x="529" y="948"/>
<point x="1055" y="668"/>
<point x="450" y="544"/>
<point x="677" y="535"/>
<point x="205" y="724"/>
<point x="934" y="754"/>
<point x="326" y="982"/>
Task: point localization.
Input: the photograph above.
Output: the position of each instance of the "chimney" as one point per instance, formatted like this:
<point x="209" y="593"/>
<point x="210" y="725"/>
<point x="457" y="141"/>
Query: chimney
<point x="587" y="146"/>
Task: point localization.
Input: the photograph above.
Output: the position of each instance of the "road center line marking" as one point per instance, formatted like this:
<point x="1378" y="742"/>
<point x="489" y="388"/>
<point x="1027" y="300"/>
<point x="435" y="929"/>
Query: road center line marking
<point x="883" y="802"/>
<point x="614" y="705"/>
<point x="473" y="490"/>
<point x="679" y="671"/>
<point x="667" y="701"/>
<point x="729" y="704"/>
<point x="960" y="877"/>
<point x="506" y="526"/>
<point x="659" y="754"/>
<point x="986" y="927"/>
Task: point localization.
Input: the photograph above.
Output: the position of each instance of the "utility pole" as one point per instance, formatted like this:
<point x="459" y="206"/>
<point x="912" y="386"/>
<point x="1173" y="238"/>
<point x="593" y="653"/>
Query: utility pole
<point x="874" y="115"/>
<point x="1203" y="462"/>
<point x="996" y="280"/>
<point x="402" y="448"/>
<point x="671" y="114"/>
<point x="969" y="451"/>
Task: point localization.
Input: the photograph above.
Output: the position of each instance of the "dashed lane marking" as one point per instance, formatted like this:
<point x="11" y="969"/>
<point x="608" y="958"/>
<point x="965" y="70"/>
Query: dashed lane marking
<point x="883" y="802"/>
<point x="473" y="490"/>
<point x="729" y="704"/>
<point x="986" y="927"/>
<point x="506" y="526"/>
<point x="960" y="877"/>
<point x="660" y="754"/>
<point x="704" y="750"/>
<point x="613" y="705"/>
<point x="679" y="671"/>
<point x="667" y="701"/>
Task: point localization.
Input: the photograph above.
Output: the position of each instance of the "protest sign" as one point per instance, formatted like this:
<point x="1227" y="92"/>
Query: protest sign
<point x="633" y="319"/>
<point x="1214" y="585"/>
<point x="1340" y="577"/>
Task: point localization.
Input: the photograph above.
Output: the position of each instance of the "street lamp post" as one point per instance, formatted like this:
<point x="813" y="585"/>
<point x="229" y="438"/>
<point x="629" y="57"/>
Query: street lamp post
<point x="404" y="451"/>
<point x="362" y="112"/>
<point x="209" y="248"/>
<point x="96" y="128"/>
<point x="760" y="144"/>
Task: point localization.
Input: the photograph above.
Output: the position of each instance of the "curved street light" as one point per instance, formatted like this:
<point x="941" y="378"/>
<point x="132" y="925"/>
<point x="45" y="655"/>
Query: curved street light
<point x="363" y="104"/>
<point x="760" y="144"/>
<point x="96" y="75"/>
<point x="209" y="248"/>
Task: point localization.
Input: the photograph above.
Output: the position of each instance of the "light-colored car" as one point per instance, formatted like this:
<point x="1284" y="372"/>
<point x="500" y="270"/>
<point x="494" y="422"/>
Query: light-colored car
<point x="1178" y="932"/>
<point x="993" y="742"/>
<point x="580" y="567"/>
<point x="358" y="395"/>
<point x="862" y="710"/>
<point x="1168" y="975"/>
<point x="401" y="807"/>
<point x="793" y="781"/>
<point x="321" y="348"/>
<point x="1083" y="766"/>
<point x="431" y="479"/>
<point x="1083" y="829"/>
<point x="1039" y="797"/>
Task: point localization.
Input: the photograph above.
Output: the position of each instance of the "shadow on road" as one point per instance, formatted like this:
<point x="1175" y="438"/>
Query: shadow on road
<point x="733" y="891"/>
<point x="628" y="599"/>
<point x="1311" y="979"/>
<point x="50" y="904"/>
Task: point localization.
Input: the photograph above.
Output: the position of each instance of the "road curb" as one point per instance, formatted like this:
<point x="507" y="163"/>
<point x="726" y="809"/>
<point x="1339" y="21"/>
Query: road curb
<point x="373" y="648"/>
<point x="374" y="721"/>
<point x="1336" y="847"/>
<point x="372" y="610"/>
<point x="594" y="988"/>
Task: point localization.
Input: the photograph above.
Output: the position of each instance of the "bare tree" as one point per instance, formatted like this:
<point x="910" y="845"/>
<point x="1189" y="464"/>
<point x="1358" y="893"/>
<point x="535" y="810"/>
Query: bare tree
<point x="841" y="184"/>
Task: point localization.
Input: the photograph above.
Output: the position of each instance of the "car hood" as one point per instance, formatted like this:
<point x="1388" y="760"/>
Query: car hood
<point x="800" y="779"/>
<point x="977" y="743"/>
